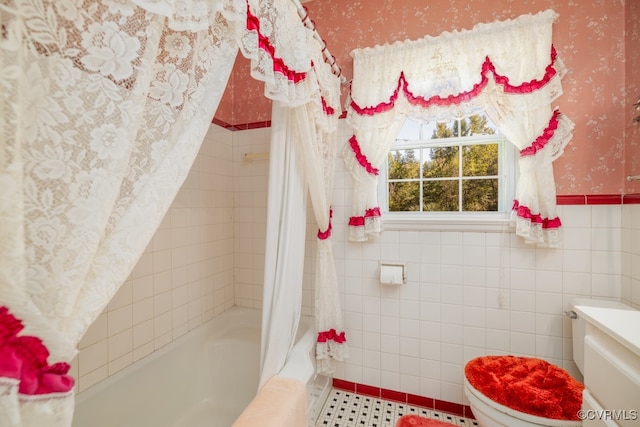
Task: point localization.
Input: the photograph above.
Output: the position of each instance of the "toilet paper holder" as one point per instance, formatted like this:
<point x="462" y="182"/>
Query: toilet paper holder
<point x="392" y="273"/>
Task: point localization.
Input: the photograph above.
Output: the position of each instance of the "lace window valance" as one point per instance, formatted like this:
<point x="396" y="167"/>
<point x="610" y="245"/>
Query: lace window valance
<point x="508" y="69"/>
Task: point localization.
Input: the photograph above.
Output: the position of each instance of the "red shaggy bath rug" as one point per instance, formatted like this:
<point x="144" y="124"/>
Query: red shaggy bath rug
<point x="528" y="385"/>
<point x="418" y="421"/>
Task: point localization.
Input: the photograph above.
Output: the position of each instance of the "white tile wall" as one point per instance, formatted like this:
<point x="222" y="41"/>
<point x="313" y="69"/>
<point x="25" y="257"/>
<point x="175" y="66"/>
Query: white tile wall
<point x="184" y="277"/>
<point x="472" y="293"/>
<point x="467" y="293"/>
<point x="630" y="254"/>
<point x="250" y="214"/>
<point x="450" y="310"/>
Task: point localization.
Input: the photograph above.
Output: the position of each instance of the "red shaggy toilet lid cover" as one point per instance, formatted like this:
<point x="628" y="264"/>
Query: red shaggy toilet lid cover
<point x="527" y="384"/>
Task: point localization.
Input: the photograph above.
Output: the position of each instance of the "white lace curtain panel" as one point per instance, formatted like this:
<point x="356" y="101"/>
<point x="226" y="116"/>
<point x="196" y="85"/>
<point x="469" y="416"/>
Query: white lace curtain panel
<point x="317" y="146"/>
<point x="104" y="105"/>
<point x="508" y="69"/>
<point x="311" y="110"/>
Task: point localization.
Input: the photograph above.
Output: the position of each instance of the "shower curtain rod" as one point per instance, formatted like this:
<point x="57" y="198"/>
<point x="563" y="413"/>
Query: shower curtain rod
<point x="328" y="57"/>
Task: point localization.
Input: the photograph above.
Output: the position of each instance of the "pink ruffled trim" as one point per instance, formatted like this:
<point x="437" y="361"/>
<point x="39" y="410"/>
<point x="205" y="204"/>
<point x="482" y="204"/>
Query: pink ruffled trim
<point x="324" y="235"/>
<point x="253" y="24"/>
<point x="25" y="358"/>
<point x="332" y="335"/>
<point x="362" y="159"/>
<point x="328" y="110"/>
<point x="358" y="221"/>
<point x="524" y="212"/>
<point x="487" y="67"/>
<point x="543" y="139"/>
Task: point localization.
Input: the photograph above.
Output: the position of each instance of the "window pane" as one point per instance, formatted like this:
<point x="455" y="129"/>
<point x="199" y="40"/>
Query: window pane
<point x="440" y="162"/>
<point x="480" y="160"/>
<point x="440" y="196"/>
<point x="410" y="130"/>
<point x="480" y="125"/>
<point x="427" y="129"/>
<point x="474" y="125"/>
<point x="480" y="195"/>
<point x="448" y="167"/>
<point x="404" y="196"/>
<point x="444" y="130"/>
<point x="403" y="164"/>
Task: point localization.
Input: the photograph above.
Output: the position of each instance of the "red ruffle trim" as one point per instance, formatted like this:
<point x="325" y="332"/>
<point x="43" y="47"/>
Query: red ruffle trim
<point x="253" y="24"/>
<point x="541" y="141"/>
<point x="358" y="221"/>
<point x="328" y="110"/>
<point x="360" y="157"/>
<point x="487" y="67"/>
<point x="25" y="358"/>
<point x="324" y="235"/>
<point x="332" y="335"/>
<point x="525" y="212"/>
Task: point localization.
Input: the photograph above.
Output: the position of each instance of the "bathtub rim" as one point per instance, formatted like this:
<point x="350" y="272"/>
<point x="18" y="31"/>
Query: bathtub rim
<point x="236" y="317"/>
<point x="203" y="331"/>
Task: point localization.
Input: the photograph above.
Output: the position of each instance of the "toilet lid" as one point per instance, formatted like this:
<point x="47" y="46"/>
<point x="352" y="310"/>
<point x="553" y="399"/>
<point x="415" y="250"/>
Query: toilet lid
<point x="527" y="384"/>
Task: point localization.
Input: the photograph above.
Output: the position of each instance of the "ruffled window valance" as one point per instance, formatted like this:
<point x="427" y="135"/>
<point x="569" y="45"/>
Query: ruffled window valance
<point x="508" y="69"/>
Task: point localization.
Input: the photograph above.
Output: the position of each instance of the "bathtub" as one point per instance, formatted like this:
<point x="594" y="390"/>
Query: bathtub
<point x="204" y="378"/>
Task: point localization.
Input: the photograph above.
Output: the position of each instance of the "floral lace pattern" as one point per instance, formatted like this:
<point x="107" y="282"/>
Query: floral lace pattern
<point x="316" y="125"/>
<point x="273" y="43"/>
<point x="520" y="76"/>
<point x="105" y="104"/>
<point x="488" y="70"/>
<point x="84" y="94"/>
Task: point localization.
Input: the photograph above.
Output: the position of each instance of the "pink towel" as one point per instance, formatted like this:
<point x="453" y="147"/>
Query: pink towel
<point x="280" y="402"/>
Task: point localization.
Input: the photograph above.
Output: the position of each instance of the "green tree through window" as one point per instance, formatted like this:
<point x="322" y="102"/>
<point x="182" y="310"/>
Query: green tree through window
<point x="456" y="170"/>
<point x="404" y="191"/>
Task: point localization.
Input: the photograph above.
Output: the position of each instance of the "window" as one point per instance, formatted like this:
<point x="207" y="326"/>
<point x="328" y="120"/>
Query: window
<point x="463" y="169"/>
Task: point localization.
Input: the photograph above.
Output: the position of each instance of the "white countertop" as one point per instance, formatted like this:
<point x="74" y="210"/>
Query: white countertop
<point x="621" y="324"/>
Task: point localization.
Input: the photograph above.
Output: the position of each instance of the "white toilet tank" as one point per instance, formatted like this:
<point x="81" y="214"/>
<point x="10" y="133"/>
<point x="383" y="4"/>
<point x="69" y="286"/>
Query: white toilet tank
<point x="579" y="325"/>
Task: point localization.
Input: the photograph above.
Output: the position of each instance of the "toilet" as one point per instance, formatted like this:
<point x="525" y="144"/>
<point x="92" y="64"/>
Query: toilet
<point x="503" y="390"/>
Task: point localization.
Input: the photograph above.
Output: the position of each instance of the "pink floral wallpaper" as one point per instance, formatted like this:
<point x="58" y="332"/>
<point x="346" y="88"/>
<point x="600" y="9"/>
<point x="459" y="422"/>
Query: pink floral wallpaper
<point x="597" y="39"/>
<point x="632" y="88"/>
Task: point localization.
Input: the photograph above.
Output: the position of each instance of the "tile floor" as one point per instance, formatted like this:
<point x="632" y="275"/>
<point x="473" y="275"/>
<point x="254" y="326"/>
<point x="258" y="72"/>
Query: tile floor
<point x="346" y="409"/>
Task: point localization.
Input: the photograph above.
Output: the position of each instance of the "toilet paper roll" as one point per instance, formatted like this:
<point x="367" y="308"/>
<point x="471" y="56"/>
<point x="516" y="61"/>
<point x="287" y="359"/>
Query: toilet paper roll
<point x="391" y="274"/>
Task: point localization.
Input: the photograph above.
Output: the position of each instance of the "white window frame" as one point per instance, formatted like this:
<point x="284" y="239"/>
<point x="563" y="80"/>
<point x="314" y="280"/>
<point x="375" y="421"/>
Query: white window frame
<point x="454" y="221"/>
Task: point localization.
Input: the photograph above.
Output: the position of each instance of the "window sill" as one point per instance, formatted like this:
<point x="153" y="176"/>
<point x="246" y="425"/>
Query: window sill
<point x="491" y="223"/>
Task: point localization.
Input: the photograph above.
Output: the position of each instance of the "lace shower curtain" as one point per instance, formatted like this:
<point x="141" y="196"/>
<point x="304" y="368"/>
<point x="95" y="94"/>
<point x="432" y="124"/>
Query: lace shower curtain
<point x="104" y="106"/>
<point x="508" y="69"/>
<point x="317" y="130"/>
